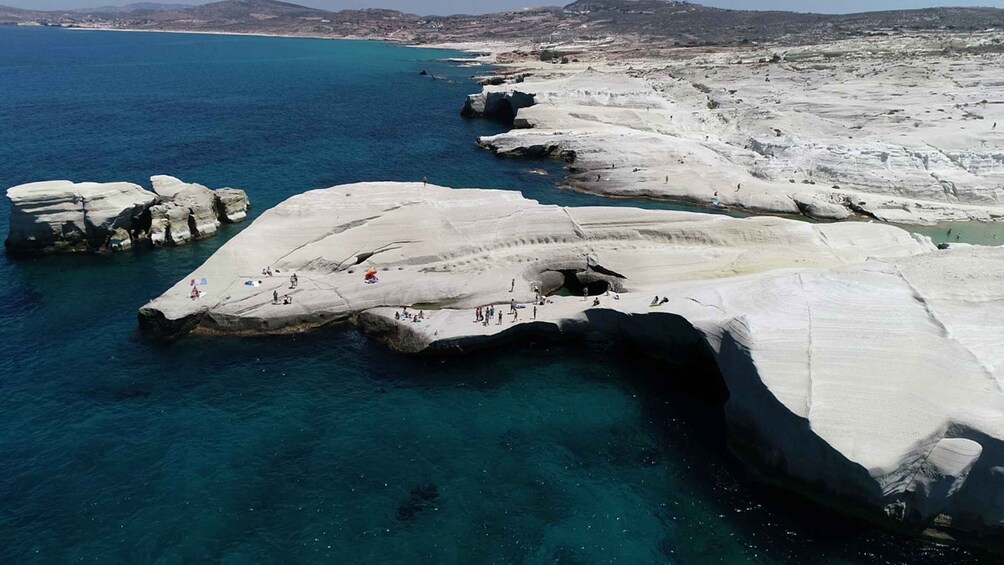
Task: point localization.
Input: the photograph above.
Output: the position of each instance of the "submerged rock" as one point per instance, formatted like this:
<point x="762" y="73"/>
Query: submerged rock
<point x="862" y="365"/>
<point x="62" y="216"/>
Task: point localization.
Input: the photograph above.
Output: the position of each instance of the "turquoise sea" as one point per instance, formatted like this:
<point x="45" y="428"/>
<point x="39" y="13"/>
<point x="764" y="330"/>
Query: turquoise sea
<point x="324" y="447"/>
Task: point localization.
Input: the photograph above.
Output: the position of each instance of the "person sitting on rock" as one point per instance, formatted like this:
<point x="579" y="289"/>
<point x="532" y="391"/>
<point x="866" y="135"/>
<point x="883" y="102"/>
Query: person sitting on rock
<point x="397" y="315"/>
<point x="655" y="301"/>
<point x="195" y="293"/>
<point x="664" y="300"/>
<point x="596" y="301"/>
<point x="287" y="299"/>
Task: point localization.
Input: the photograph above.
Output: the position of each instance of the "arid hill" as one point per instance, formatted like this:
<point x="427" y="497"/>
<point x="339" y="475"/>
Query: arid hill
<point x="659" y="21"/>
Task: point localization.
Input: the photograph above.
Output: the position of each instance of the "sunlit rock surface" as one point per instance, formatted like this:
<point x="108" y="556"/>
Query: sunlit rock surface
<point x="58" y="216"/>
<point x="62" y="216"/>
<point x="905" y="129"/>
<point x="863" y="366"/>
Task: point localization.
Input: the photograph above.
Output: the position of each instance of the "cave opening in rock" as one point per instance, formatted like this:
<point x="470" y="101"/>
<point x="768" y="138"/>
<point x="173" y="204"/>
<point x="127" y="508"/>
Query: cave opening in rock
<point x="505" y="113"/>
<point x="574" y="284"/>
<point x="670" y="353"/>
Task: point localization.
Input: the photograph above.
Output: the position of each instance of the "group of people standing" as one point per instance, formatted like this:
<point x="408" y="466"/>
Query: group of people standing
<point x="486" y="314"/>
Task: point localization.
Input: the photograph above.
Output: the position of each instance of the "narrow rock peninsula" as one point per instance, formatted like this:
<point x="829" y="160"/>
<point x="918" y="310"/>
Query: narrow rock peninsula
<point x="63" y="216"/>
<point x="863" y="366"/>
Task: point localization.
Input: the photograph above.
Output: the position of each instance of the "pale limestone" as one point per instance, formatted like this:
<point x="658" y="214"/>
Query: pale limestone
<point x="57" y="216"/>
<point x="862" y="364"/>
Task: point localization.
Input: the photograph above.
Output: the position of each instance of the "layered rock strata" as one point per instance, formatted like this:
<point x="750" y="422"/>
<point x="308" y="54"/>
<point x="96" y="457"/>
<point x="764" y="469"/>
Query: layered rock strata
<point x="62" y="216"/>
<point x="864" y="367"/>
<point x="902" y="129"/>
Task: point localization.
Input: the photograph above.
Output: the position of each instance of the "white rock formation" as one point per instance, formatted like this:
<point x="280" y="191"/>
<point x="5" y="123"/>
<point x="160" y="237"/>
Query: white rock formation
<point x="198" y="202"/>
<point x="864" y="367"/>
<point x="901" y="129"/>
<point x="192" y="211"/>
<point x="56" y="216"/>
<point x="59" y="216"/>
<point x="232" y="205"/>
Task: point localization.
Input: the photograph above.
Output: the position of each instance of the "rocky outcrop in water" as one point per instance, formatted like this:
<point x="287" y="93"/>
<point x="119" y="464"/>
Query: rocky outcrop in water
<point x="501" y="105"/>
<point x="863" y="366"/>
<point x="62" y="216"/>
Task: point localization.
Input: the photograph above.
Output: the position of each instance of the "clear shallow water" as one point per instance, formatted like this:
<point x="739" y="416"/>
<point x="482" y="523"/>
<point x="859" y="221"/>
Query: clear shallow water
<point x="321" y="447"/>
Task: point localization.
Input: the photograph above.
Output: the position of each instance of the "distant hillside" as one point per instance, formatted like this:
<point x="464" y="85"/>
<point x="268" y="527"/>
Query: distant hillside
<point x="248" y="11"/>
<point x="693" y="23"/>
<point x="665" y="22"/>
<point x="271" y="16"/>
<point x="145" y="7"/>
<point x="10" y="14"/>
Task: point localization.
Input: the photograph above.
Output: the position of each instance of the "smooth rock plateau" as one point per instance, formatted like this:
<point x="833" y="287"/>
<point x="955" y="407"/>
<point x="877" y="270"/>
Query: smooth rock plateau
<point x="63" y="216"/>
<point x="864" y="366"/>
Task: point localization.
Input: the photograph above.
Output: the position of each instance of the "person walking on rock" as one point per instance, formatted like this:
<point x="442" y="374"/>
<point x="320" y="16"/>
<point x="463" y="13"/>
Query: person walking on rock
<point x="512" y="286"/>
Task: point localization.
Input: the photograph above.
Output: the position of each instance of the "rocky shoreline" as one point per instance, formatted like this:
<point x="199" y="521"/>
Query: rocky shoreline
<point x="895" y="129"/>
<point x="63" y="216"/>
<point x="861" y="363"/>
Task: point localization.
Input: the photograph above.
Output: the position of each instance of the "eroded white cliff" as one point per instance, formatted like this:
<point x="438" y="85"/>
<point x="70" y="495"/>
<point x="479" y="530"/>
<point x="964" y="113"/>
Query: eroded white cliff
<point x="863" y="366"/>
<point x="896" y="128"/>
<point x="56" y="216"/>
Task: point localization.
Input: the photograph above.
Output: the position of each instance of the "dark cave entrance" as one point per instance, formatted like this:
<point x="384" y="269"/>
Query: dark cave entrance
<point x="505" y="113"/>
<point x="573" y="285"/>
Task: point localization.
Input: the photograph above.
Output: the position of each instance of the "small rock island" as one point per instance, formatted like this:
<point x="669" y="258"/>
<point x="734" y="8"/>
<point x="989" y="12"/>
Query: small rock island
<point x="63" y="216"/>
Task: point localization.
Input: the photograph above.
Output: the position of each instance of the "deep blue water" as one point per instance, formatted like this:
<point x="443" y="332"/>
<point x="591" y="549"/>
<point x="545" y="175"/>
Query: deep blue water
<point x="322" y="447"/>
